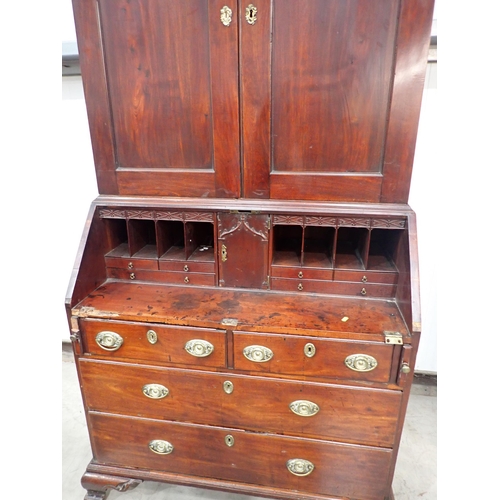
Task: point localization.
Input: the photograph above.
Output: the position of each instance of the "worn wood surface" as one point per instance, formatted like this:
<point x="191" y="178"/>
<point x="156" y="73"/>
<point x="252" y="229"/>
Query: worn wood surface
<point x="254" y="310"/>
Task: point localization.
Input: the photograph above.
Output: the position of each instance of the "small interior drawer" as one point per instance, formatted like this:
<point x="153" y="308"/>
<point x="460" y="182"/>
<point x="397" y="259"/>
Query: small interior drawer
<point x="301" y="273"/>
<point x="180" y="278"/>
<point x="389" y="278"/>
<point x="187" y="266"/>
<point x="314" y="357"/>
<point x="153" y="342"/>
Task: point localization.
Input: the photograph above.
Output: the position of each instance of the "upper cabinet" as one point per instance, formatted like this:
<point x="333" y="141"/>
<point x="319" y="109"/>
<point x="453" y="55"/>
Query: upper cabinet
<point x="282" y="99"/>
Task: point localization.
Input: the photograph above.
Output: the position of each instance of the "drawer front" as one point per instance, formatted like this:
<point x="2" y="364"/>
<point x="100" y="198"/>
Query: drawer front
<point x="167" y="344"/>
<point x="187" y="267"/>
<point x="131" y="264"/>
<point x="181" y="278"/>
<point x="302" y="273"/>
<point x="339" y="288"/>
<point x="366" y="277"/>
<point x="348" y="414"/>
<point x="252" y="458"/>
<point x="288" y="354"/>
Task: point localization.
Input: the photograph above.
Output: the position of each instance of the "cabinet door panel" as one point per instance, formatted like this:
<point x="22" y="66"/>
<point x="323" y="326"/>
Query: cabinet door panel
<point x="170" y="80"/>
<point x="325" y="90"/>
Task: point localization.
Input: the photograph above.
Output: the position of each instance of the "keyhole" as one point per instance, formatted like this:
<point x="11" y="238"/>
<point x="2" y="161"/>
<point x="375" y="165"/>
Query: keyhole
<point x="309" y="350"/>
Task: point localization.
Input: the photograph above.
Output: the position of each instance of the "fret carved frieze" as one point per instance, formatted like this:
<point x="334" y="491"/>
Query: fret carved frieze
<point x="292" y="220"/>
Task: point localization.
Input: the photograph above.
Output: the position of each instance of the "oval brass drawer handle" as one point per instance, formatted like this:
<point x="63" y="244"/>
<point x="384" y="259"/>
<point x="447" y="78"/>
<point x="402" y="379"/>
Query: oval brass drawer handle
<point x="257" y="353"/>
<point x="109" y="341"/>
<point x="155" y="391"/>
<point x="361" y="362"/>
<point x="161" y="447"/>
<point x="300" y="467"/>
<point x="304" y="408"/>
<point x="199" y="348"/>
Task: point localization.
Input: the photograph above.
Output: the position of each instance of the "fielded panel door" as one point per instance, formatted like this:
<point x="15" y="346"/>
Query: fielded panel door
<point x="161" y="84"/>
<point x="330" y="97"/>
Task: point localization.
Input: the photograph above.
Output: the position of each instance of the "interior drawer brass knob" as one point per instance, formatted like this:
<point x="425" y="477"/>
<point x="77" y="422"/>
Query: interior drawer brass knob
<point x="361" y="362"/>
<point x="155" y="391"/>
<point x="199" y="348"/>
<point x="109" y="341"/>
<point x="186" y="268"/>
<point x="301" y="274"/>
<point x="300" y="287"/>
<point x="161" y="447"/>
<point x="257" y="353"/>
<point x="304" y="408"/>
<point x="300" y="467"/>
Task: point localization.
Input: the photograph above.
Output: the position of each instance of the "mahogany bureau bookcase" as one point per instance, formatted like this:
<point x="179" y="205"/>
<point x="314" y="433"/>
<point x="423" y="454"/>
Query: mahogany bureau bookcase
<point x="244" y="306"/>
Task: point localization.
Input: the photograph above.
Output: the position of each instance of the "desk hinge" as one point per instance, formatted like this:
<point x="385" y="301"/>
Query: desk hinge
<point x="394" y="338"/>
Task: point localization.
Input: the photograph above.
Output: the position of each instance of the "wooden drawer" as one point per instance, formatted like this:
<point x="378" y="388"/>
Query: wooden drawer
<point x="338" y="288"/>
<point x="324" y="411"/>
<point x="181" y="278"/>
<point x="170" y="345"/>
<point x="368" y="277"/>
<point x="302" y="273"/>
<point x="187" y="266"/>
<point x="288" y="354"/>
<point x="340" y="470"/>
<point x="131" y="264"/>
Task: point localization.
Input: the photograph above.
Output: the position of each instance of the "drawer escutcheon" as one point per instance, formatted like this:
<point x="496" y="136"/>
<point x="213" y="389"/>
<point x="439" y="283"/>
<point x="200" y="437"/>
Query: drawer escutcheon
<point x="304" y="408"/>
<point x="109" y="341"/>
<point x="361" y="362"/>
<point x="300" y="467"/>
<point x="161" y="447"/>
<point x="155" y="391"/>
<point x="199" y="348"/>
<point x="257" y="353"/>
<point x="152" y="336"/>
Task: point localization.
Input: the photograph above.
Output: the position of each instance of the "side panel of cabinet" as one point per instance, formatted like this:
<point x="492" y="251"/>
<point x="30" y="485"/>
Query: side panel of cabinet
<point x="161" y="82"/>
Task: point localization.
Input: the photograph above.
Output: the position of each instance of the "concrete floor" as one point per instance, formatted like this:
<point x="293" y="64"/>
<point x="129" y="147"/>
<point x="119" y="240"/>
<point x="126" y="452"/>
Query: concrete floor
<point x="416" y="470"/>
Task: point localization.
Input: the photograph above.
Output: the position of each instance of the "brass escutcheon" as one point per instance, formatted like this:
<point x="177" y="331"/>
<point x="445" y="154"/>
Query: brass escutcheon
<point x="229" y="440"/>
<point x="309" y="350"/>
<point x="226" y="15"/>
<point x="228" y="387"/>
<point x="223" y="253"/>
<point x="251" y="14"/>
<point x="152" y="336"/>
